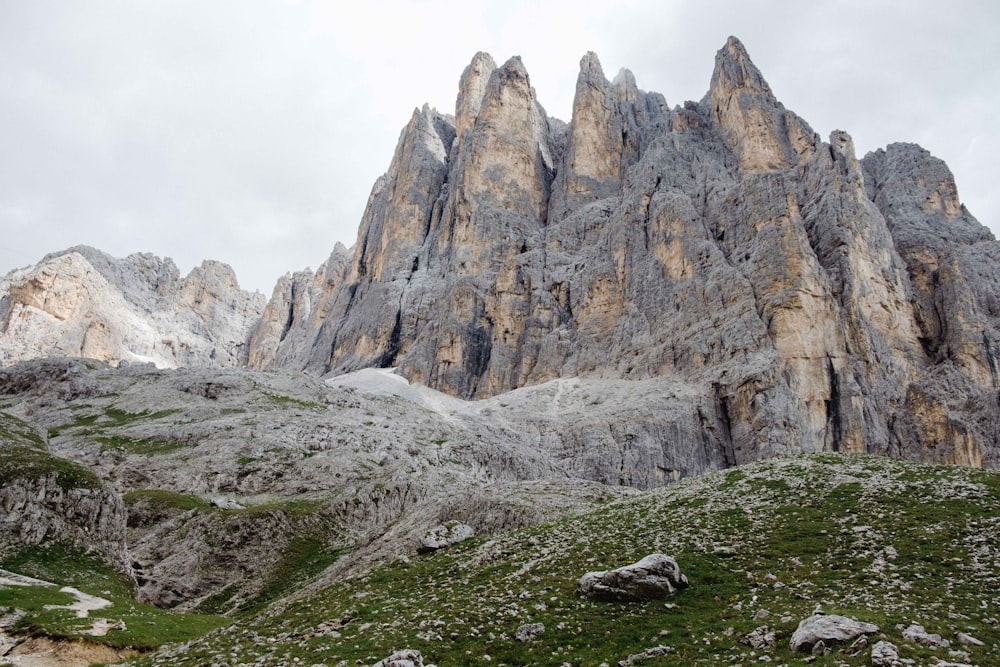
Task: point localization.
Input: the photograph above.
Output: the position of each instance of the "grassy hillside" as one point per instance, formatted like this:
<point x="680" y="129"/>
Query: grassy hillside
<point x="885" y="541"/>
<point x="145" y="627"/>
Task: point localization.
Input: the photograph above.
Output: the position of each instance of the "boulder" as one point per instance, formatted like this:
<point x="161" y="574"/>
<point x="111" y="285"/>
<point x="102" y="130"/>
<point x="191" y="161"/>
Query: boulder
<point x="404" y="658"/>
<point x="968" y="640"/>
<point x="762" y="637"/>
<point x="916" y="633"/>
<point x="828" y="629"/>
<point x="655" y="576"/>
<point x="885" y="654"/>
<point x="636" y="658"/>
<point x="440" y="537"/>
<point x="226" y="503"/>
<point x="529" y="632"/>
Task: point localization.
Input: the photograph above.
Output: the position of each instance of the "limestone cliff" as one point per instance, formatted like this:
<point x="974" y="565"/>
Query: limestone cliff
<point x="819" y="301"/>
<point x="84" y="303"/>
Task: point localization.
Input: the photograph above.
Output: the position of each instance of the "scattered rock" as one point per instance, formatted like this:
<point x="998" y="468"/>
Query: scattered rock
<point x="102" y="625"/>
<point x="440" y="537"/>
<point x="827" y="629"/>
<point x="968" y="640"/>
<point x="405" y="658"/>
<point x="885" y="654"/>
<point x="645" y="655"/>
<point x="916" y="633"/>
<point x="226" y="504"/>
<point x="655" y="576"/>
<point x="859" y="645"/>
<point x="529" y="632"/>
<point x="762" y="637"/>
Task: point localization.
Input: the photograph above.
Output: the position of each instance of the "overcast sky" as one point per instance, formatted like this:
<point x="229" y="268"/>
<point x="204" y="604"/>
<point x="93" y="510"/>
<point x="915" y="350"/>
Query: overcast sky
<point x="251" y="132"/>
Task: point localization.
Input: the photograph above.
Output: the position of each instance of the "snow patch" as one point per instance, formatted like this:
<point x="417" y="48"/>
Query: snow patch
<point x="386" y="382"/>
<point x="84" y="604"/>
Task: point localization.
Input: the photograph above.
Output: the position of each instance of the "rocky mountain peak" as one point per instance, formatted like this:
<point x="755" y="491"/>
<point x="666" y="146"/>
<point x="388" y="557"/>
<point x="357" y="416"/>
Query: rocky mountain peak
<point x="590" y="69"/>
<point x="83" y="302"/>
<point x="757" y="128"/>
<point x="735" y="71"/>
<point x="471" y="88"/>
<point x="722" y="243"/>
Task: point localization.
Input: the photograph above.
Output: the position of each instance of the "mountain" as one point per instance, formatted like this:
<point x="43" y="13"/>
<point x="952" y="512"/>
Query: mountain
<point x="816" y="301"/>
<point x="555" y="348"/>
<point x="85" y="303"/>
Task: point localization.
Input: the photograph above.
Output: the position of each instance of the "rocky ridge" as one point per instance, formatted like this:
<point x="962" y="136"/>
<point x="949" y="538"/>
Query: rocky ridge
<point x="84" y="303"/>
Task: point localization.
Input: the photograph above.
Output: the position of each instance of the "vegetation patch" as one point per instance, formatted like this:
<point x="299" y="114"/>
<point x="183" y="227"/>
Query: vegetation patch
<point x="86" y="424"/>
<point x="301" y="561"/>
<point x="23" y="456"/>
<point x="143" y="446"/>
<point x="281" y="399"/>
<point x="17" y="431"/>
<point x="160" y="499"/>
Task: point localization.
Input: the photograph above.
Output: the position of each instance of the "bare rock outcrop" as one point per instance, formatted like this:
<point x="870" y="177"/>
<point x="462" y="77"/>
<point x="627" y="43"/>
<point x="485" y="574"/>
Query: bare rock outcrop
<point x="45" y="499"/>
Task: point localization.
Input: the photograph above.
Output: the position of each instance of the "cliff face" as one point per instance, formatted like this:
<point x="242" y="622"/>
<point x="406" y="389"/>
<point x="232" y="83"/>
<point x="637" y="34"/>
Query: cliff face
<point x="819" y="301"/>
<point x="84" y="303"/>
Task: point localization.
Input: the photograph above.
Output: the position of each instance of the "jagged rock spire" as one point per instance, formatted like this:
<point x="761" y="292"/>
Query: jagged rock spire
<point x="763" y="134"/>
<point x="471" y="88"/>
<point x="604" y="136"/>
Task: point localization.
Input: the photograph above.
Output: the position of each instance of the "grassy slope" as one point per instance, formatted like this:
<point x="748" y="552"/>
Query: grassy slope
<point x="23" y="456"/>
<point x="885" y="541"/>
<point x="146" y="627"/>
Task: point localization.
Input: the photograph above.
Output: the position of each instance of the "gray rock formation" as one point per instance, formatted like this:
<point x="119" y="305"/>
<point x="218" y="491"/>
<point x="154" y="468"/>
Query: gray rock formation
<point x="84" y="303"/>
<point x="761" y="638"/>
<point x="811" y="301"/>
<point x="529" y="632"/>
<point x="832" y="629"/>
<point x="802" y="299"/>
<point x="655" y="576"/>
<point x="404" y="658"/>
<point x="46" y="500"/>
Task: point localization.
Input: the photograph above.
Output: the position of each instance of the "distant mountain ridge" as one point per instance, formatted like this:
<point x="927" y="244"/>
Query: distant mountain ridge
<point x="815" y="301"/>
<point x="84" y="303"/>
